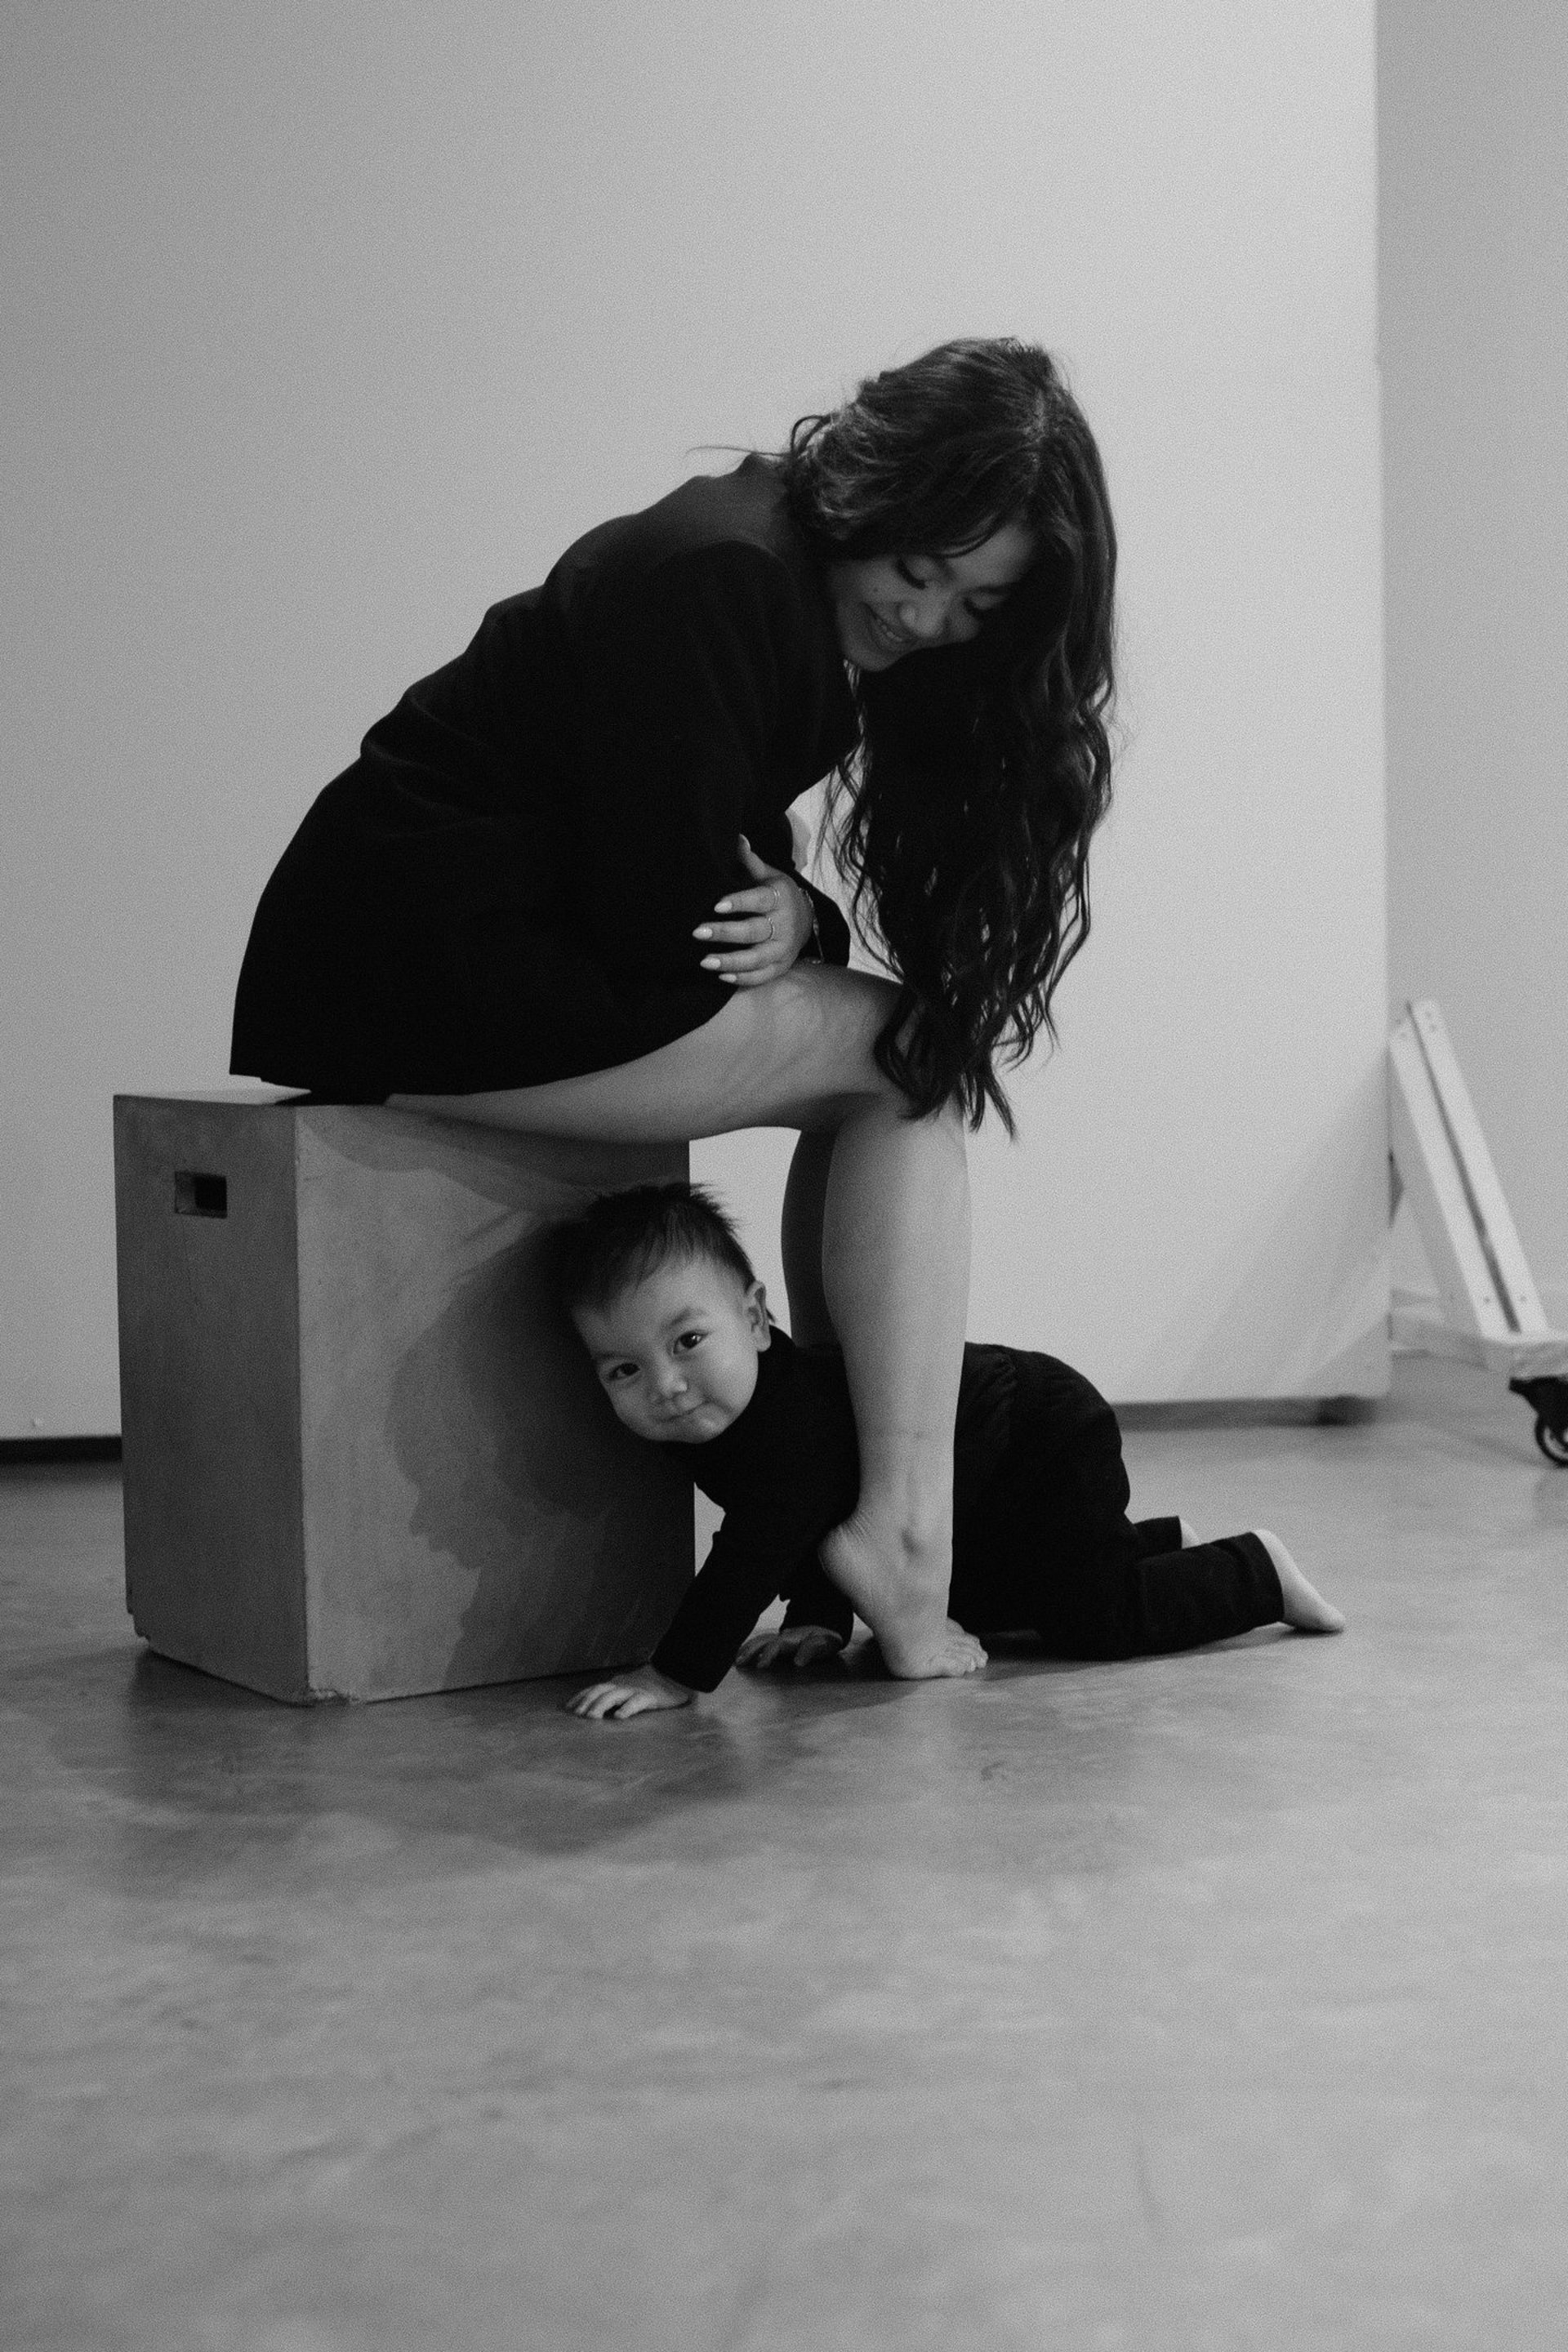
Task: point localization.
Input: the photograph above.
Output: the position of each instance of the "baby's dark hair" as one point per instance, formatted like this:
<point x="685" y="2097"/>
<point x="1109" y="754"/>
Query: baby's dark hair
<point x="623" y="1237"/>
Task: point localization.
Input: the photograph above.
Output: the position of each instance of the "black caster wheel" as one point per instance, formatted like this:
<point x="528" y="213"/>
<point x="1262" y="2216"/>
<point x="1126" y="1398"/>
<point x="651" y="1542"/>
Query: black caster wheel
<point x="1547" y="1399"/>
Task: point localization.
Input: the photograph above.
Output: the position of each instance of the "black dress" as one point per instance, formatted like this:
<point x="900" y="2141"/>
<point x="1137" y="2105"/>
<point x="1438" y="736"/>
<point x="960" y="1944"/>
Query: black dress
<point x="503" y="889"/>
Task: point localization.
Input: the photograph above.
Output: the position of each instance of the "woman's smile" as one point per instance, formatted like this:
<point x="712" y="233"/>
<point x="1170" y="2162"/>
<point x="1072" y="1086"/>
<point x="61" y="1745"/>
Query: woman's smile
<point x="891" y="605"/>
<point x="896" y="640"/>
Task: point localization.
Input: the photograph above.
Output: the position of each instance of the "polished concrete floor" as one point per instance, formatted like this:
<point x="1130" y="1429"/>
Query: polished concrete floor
<point x="1200" y="2002"/>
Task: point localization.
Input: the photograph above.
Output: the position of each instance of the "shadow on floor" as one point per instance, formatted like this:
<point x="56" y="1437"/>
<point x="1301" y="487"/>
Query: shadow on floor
<point x="181" y="1781"/>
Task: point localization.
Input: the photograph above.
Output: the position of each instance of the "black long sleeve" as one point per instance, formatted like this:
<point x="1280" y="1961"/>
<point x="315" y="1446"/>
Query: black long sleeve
<point x="503" y="889"/>
<point x="785" y="1473"/>
<point x="685" y="697"/>
<point x="1041" y="1536"/>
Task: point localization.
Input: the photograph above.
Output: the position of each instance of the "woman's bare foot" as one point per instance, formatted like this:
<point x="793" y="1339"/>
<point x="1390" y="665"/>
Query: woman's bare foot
<point x="1305" y="1607"/>
<point x="914" y="1657"/>
<point x="902" y="1593"/>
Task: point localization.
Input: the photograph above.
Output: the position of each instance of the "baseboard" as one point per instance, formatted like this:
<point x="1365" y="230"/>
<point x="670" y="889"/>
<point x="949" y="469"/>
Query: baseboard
<point x="58" y="1449"/>
<point x="1251" y="1412"/>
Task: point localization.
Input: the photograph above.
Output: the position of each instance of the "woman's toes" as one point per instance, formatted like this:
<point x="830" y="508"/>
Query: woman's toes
<point x="937" y="1658"/>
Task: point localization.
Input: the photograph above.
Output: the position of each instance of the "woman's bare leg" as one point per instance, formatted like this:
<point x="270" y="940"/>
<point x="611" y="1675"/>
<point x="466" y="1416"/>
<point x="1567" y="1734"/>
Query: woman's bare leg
<point x="895" y="1254"/>
<point x="864" y="1201"/>
<point x="895" y="1269"/>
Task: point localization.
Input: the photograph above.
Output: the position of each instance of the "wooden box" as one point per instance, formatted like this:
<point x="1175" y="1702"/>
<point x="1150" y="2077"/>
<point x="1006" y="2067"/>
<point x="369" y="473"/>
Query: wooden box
<point x="364" y="1456"/>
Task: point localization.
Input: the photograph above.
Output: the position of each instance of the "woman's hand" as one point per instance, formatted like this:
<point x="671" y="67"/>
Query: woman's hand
<point x="767" y="926"/>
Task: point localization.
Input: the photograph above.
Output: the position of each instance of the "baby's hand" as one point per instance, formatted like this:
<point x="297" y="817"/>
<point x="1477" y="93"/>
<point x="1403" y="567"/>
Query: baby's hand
<point x="638" y="1693"/>
<point x="798" y="1646"/>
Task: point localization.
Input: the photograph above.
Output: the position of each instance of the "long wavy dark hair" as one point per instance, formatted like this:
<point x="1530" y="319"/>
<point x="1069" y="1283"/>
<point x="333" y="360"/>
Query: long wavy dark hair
<point x="962" y="822"/>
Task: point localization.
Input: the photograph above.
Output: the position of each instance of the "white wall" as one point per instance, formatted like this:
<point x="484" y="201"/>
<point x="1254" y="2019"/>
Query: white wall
<point x="1197" y="1205"/>
<point x="1473" y="109"/>
<point x="325" y="326"/>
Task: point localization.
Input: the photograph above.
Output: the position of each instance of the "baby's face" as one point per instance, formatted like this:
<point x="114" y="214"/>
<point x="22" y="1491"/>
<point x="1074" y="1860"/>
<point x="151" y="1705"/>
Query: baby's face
<point x="677" y="1353"/>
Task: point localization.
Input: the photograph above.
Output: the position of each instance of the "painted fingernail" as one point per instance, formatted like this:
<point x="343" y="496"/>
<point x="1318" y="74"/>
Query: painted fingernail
<point x="703" y="931"/>
<point x="710" y="963"/>
<point x="723" y="908"/>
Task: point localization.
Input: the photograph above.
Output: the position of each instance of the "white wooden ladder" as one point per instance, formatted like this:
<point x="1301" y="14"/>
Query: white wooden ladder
<point x="1487" y="1310"/>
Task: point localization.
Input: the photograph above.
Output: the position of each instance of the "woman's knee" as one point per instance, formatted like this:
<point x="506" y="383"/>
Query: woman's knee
<point x="826" y="1023"/>
<point x="859" y="1008"/>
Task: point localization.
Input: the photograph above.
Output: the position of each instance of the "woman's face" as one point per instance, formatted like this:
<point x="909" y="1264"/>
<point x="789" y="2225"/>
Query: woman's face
<point x="889" y="606"/>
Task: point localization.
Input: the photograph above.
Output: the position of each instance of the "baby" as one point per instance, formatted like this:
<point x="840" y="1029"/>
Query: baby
<point x="666" y="1303"/>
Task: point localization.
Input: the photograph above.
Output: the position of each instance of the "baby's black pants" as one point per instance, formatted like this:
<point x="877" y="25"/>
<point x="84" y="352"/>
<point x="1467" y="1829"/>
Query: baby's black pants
<point x="1046" y="1543"/>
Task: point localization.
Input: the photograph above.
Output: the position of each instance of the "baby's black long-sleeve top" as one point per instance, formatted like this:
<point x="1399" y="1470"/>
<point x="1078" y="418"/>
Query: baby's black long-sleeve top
<point x="785" y="1472"/>
<point x="1040" y="1532"/>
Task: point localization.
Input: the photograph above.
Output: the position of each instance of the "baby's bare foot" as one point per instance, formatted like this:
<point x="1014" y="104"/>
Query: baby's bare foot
<point x="1305" y="1607"/>
<point x="900" y="1590"/>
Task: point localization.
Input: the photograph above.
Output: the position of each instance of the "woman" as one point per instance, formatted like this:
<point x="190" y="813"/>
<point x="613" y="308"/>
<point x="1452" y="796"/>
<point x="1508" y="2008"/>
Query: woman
<point x="555" y="891"/>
